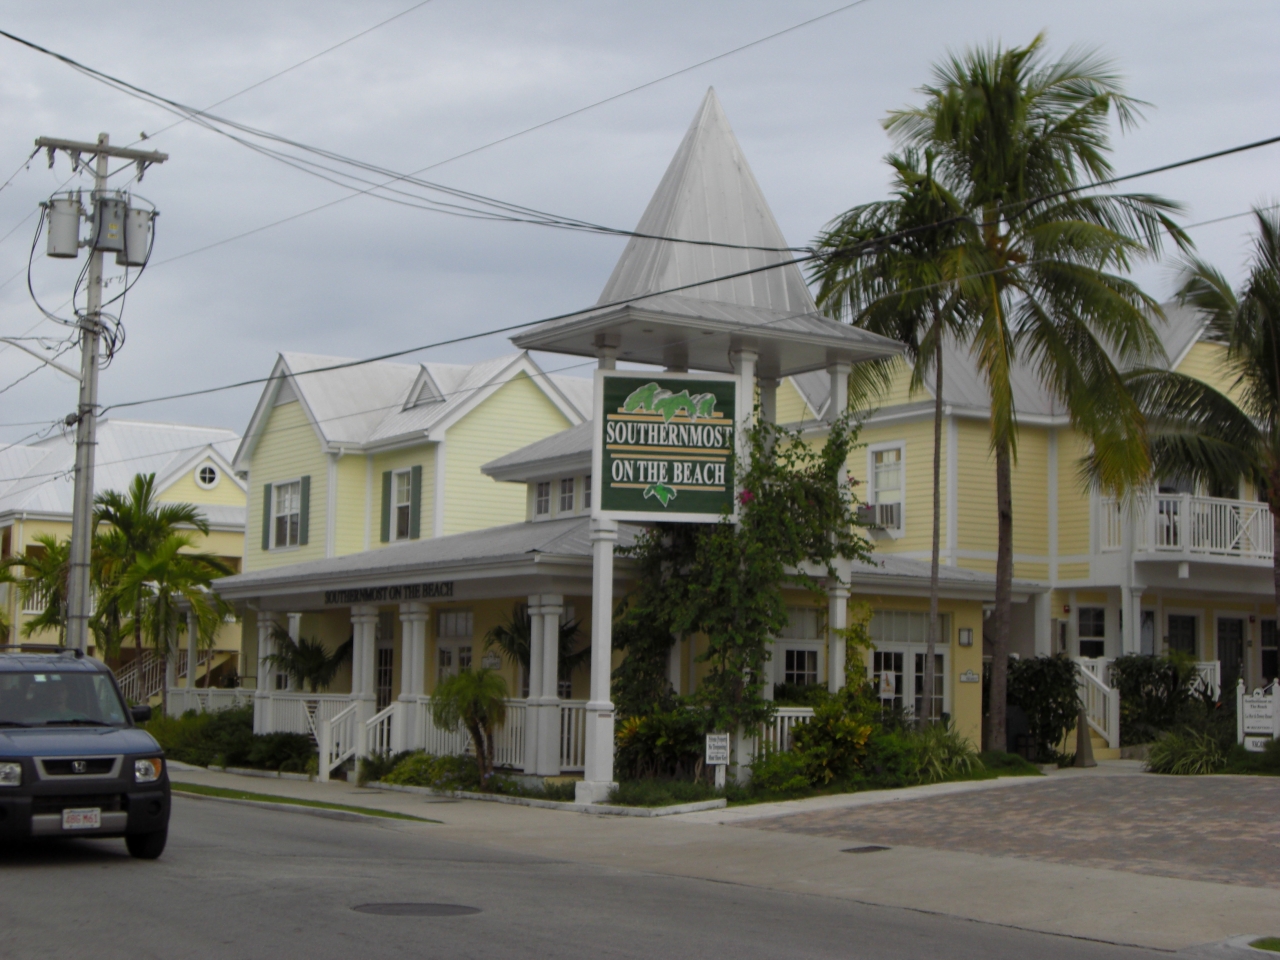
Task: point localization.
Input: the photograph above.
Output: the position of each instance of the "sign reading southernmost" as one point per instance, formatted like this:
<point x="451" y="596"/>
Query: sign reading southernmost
<point x="664" y="446"/>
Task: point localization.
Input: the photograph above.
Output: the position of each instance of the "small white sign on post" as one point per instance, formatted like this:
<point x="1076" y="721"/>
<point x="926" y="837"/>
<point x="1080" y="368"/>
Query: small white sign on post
<point x="718" y="756"/>
<point x="1257" y="717"/>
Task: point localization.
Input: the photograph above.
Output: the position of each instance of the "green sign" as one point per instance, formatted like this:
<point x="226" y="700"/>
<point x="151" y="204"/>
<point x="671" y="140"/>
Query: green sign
<point x="665" y="446"/>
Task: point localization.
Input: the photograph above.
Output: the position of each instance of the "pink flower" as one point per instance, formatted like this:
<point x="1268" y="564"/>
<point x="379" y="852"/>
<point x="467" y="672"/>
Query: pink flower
<point x="745" y="497"/>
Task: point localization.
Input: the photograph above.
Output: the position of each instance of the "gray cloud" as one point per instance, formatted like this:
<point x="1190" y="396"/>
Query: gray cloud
<point x="366" y="276"/>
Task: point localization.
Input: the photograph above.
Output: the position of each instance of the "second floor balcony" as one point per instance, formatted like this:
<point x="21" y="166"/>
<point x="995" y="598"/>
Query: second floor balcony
<point x="1182" y="526"/>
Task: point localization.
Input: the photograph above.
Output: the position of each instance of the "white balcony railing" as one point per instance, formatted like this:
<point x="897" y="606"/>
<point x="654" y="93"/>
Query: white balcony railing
<point x="35" y="599"/>
<point x="1191" y="526"/>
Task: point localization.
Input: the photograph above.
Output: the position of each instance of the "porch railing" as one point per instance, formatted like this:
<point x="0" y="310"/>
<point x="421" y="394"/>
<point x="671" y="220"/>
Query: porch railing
<point x="339" y="738"/>
<point x="143" y="678"/>
<point x="206" y="700"/>
<point x="304" y="712"/>
<point x="573" y="735"/>
<point x="1101" y="707"/>
<point x="776" y="734"/>
<point x="378" y="732"/>
<point x="1193" y="526"/>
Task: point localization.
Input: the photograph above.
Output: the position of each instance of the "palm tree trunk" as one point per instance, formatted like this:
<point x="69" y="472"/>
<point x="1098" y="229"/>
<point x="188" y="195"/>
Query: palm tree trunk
<point x="930" y="649"/>
<point x="996" y="731"/>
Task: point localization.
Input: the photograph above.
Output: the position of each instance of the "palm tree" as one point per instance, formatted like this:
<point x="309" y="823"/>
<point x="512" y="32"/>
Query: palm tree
<point x="166" y="583"/>
<point x="45" y="570"/>
<point x="476" y="700"/>
<point x="1040" y="270"/>
<point x="1202" y="434"/>
<point x="901" y="289"/>
<point x="511" y="637"/>
<point x="138" y="526"/>
<point x="307" y="661"/>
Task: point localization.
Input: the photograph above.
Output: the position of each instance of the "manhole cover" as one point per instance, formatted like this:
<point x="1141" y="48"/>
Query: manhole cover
<point x="870" y="848"/>
<point x="416" y="909"/>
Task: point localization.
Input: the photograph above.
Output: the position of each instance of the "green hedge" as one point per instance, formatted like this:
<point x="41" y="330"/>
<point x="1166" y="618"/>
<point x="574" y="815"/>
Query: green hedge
<point x="226" y="738"/>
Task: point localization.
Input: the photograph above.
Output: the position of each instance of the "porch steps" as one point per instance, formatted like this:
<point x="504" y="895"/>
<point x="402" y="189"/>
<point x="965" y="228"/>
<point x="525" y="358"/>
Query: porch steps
<point x="1100" y="749"/>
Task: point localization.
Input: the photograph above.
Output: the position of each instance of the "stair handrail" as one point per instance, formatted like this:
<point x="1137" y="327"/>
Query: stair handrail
<point x="1101" y="707"/>
<point x="337" y="739"/>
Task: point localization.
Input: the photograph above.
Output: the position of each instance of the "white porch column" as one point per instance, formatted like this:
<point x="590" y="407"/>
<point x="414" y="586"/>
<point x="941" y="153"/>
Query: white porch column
<point x="768" y="400"/>
<point x="1043" y="617"/>
<point x="837" y="620"/>
<point x="1131" y="634"/>
<point x="548" y="763"/>
<point x="193" y="635"/>
<point x="839" y="373"/>
<point x="533" y="703"/>
<point x="598" y="777"/>
<point x="744" y="367"/>
<point x="295" y="634"/>
<point x="265" y="684"/>
<point x="364" y="623"/>
<point x="405" y="732"/>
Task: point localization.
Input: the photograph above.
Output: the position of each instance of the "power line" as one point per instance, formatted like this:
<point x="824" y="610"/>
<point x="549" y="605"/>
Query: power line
<point x="300" y="63"/>
<point x="498" y="209"/>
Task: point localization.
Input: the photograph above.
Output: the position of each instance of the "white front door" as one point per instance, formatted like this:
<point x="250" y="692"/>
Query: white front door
<point x="898" y="674"/>
<point x="452" y="656"/>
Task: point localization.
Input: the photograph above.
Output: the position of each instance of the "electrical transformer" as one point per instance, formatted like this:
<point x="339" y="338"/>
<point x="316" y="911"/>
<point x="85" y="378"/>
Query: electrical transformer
<point x="137" y="238"/>
<point x="64" y="227"/>
<point x="108" y="224"/>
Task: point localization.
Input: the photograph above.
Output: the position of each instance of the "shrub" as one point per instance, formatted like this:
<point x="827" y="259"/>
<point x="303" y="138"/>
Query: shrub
<point x="944" y="755"/>
<point x="439" y="773"/>
<point x="1046" y="690"/>
<point x="374" y="768"/>
<point x="286" y="752"/>
<point x="1008" y="764"/>
<point x="226" y="738"/>
<point x="1184" y="752"/>
<point x="832" y="743"/>
<point x="800" y="695"/>
<point x="1240" y="760"/>
<point x="1156" y="695"/>
<point x="892" y="758"/>
<point x="667" y="745"/>
<point x="776" y="772"/>
<point x="661" y="793"/>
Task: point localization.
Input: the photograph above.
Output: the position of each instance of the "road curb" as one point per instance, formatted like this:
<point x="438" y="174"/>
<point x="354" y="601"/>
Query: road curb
<point x="595" y="809"/>
<point x="293" y="808"/>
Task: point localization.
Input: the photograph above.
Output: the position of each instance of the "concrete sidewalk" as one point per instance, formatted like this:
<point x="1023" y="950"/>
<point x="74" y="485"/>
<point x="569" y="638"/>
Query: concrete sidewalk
<point x="1100" y="904"/>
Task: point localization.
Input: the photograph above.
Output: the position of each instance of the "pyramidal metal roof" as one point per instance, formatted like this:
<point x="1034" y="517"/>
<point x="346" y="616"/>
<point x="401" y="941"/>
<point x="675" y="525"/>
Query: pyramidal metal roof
<point x="708" y="194"/>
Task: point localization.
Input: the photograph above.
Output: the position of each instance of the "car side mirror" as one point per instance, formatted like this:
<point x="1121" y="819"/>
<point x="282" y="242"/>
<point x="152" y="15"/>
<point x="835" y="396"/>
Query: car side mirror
<point x="140" y="714"/>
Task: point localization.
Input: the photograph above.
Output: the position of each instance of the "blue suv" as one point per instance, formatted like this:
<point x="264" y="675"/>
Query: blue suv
<point x="73" y="762"/>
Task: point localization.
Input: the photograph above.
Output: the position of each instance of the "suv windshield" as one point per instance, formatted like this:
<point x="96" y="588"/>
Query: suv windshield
<point x="59" y="699"/>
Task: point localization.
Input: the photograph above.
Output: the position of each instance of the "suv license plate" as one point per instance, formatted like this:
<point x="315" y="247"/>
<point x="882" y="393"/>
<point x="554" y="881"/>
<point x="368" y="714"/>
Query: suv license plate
<point x="89" y="818"/>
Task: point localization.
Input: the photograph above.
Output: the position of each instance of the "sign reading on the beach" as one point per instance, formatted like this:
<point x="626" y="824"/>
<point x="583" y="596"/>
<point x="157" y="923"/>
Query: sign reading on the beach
<point x="664" y="446"/>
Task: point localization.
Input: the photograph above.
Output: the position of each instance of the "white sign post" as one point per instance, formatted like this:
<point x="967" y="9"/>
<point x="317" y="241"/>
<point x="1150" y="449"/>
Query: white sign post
<point x="1257" y="717"/>
<point x="718" y="755"/>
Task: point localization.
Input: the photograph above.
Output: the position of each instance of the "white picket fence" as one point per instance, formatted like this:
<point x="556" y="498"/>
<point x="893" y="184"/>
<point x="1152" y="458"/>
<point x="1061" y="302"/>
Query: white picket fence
<point x="206" y="700"/>
<point x="776" y="734"/>
<point x="303" y="712"/>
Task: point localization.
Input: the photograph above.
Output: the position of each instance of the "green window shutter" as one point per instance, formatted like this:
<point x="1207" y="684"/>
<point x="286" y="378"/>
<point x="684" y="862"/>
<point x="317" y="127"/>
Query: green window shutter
<point x="304" y="511"/>
<point x="386" y="506"/>
<point x="415" y="503"/>
<point x="266" y="517"/>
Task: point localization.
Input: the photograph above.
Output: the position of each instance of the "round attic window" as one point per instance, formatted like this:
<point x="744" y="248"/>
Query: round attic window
<point x="207" y="476"/>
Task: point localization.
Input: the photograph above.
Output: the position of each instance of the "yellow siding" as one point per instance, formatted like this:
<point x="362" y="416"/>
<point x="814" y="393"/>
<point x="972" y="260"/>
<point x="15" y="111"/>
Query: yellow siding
<point x="421" y="456"/>
<point x="791" y="405"/>
<point x="917" y="438"/>
<point x="1031" y="493"/>
<point x="351" y="473"/>
<point x="1073" y="571"/>
<point x="288" y="449"/>
<point x="1208" y="362"/>
<point x="975" y="490"/>
<point x="517" y="414"/>
<point x="1073" y="499"/>
<point x="184" y="489"/>
<point x="899" y="391"/>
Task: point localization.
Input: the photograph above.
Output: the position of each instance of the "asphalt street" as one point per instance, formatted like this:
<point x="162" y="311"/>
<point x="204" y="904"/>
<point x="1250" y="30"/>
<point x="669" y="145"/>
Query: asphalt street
<point x="245" y="882"/>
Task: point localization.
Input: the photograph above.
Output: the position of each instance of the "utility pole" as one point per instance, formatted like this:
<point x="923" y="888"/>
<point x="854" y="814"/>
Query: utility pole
<point x="107" y="226"/>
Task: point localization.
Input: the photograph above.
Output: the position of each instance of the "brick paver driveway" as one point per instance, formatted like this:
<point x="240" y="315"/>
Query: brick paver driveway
<point x="1220" y="829"/>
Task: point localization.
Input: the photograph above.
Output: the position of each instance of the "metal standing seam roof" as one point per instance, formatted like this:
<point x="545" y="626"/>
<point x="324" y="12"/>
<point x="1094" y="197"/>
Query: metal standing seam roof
<point x="709" y="193"/>
<point x="573" y="445"/>
<point x="964" y="388"/>
<point x="562" y="538"/>
<point x="38" y="478"/>
<point x="368" y="403"/>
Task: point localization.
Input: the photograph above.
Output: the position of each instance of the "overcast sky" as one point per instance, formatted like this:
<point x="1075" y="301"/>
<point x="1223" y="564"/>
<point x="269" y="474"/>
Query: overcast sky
<point x="365" y="276"/>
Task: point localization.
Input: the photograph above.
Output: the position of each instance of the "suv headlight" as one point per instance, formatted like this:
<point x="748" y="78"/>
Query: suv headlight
<point x="10" y="774"/>
<point x="147" y="771"/>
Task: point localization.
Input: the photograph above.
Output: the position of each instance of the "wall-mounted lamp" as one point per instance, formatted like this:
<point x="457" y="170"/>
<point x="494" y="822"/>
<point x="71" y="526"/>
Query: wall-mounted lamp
<point x="1066" y="608"/>
<point x="966" y="636"/>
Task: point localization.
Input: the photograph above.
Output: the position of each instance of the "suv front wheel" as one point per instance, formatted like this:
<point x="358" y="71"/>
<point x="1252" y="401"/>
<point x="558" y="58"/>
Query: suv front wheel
<point x="146" y="846"/>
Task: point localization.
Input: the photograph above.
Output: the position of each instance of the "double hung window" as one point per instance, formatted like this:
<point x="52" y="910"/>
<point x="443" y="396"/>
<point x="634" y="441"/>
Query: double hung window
<point x="887" y="487"/>
<point x="542" y="499"/>
<point x="403" y="501"/>
<point x="288" y="513"/>
<point x="1182" y="633"/>
<point x="566" y="495"/>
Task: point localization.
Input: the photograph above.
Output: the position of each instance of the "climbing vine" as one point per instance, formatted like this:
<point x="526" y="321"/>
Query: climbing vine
<point x="725" y="580"/>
